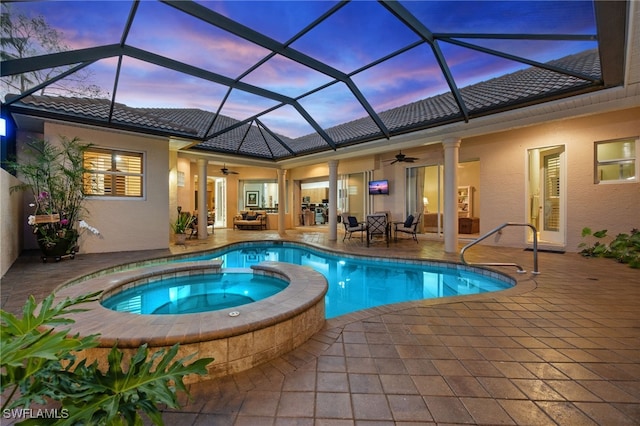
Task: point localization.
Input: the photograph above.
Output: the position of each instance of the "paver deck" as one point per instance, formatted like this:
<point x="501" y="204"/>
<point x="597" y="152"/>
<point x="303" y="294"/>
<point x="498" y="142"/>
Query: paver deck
<point x="560" y="348"/>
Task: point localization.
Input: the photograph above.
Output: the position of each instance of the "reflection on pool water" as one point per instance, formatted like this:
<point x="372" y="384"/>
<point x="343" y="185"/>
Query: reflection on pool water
<point x="195" y="293"/>
<point x="357" y="283"/>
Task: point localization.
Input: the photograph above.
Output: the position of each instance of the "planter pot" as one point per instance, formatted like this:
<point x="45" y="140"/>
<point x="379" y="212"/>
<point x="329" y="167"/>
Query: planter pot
<point x="47" y="218"/>
<point x="63" y="246"/>
<point x="180" y="238"/>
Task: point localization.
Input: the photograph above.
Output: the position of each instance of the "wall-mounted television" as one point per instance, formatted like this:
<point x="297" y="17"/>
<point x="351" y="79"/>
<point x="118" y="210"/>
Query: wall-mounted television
<point x="379" y="187"/>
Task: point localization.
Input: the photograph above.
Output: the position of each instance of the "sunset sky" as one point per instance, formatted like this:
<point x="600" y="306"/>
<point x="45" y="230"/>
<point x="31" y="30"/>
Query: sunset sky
<point x="356" y="35"/>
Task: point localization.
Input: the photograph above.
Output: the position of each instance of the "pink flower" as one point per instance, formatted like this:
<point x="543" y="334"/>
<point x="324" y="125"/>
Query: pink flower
<point x="64" y="222"/>
<point x="43" y="195"/>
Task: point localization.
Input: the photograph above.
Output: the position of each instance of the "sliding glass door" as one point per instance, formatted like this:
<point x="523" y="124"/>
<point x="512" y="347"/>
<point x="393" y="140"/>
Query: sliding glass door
<point x="425" y="194"/>
<point x="352" y="195"/>
<point x="547" y="193"/>
<point x="220" y="202"/>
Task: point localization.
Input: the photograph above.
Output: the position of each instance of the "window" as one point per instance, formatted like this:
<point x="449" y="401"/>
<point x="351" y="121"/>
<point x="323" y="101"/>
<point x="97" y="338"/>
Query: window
<point x="616" y="161"/>
<point x="113" y="173"/>
<point x="258" y="194"/>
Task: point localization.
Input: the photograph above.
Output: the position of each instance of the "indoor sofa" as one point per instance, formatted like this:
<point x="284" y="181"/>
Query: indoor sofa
<point x="250" y="219"/>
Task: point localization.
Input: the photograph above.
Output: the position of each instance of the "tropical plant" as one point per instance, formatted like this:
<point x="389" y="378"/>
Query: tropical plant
<point x="625" y="248"/>
<point x="39" y="366"/>
<point x="182" y="222"/>
<point x="54" y="174"/>
<point x="30" y="354"/>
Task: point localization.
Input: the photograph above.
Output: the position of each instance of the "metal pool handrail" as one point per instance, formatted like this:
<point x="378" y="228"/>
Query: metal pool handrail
<point x="498" y="229"/>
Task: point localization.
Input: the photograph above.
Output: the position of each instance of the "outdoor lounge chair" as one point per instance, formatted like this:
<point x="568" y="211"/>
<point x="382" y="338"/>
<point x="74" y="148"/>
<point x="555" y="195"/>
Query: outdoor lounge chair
<point x="193" y="227"/>
<point x="352" y="225"/>
<point x="409" y="226"/>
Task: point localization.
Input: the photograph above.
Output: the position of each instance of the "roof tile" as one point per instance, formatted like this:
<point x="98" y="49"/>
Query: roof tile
<point x="501" y="93"/>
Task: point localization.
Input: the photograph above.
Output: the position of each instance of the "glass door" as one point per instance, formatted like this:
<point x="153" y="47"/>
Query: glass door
<point x="425" y="194"/>
<point x="220" y="203"/>
<point x="547" y="194"/>
<point x="352" y="195"/>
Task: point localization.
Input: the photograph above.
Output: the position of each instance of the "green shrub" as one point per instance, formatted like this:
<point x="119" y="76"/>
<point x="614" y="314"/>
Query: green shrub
<point x="625" y="248"/>
<point x="39" y="365"/>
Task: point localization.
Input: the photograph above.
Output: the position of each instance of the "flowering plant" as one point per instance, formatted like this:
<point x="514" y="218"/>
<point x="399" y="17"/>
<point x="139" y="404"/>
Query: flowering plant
<point x="54" y="174"/>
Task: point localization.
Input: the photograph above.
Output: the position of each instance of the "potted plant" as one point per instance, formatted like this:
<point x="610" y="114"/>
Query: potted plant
<point x="54" y="174"/>
<point x="180" y="226"/>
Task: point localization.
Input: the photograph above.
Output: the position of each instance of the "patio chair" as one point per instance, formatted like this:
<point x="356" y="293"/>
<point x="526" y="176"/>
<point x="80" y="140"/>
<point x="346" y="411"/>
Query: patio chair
<point x="409" y="226"/>
<point x="378" y="225"/>
<point x="193" y="227"/>
<point x="352" y="225"/>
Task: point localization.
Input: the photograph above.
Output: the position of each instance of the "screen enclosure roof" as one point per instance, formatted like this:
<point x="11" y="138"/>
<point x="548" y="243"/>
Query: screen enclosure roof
<point x="280" y="79"/>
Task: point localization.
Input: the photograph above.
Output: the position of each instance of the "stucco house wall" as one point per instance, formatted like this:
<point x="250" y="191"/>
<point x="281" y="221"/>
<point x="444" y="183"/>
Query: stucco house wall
<point x="500" y="193"/>
<point x="143" y="224"/>
<point x="503" y="168"/>
<point x="126" y="224"/>
<point x="11" y="221"/>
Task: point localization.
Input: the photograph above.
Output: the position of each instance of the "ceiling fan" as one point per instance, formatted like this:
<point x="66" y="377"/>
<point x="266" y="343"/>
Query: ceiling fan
<point x="226" y="171"/>
<point x="401" y="158"/>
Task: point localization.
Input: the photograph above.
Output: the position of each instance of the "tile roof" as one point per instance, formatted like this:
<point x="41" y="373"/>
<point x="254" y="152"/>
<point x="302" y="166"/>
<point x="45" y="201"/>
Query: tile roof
<point x="249" y="139"/>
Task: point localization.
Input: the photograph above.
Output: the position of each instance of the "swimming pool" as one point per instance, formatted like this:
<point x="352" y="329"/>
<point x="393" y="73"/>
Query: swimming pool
<point x="321" y="285"/>
<point x="357" y="283"/>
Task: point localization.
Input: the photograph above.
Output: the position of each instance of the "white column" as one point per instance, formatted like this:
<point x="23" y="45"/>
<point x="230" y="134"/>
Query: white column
<point x="332" y="211"/>
<point x="451" y="154"/>
<point x="202" y="199"/>
<point x="282" y="174"/>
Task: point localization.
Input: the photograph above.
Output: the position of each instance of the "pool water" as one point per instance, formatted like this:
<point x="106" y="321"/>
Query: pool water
<point x="357" y="283"/>
<point x="195" y="293"/>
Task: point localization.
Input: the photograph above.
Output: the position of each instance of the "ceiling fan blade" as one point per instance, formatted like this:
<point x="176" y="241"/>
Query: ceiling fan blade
<point x="226" y="171"/>
<point x="402" y="158"/>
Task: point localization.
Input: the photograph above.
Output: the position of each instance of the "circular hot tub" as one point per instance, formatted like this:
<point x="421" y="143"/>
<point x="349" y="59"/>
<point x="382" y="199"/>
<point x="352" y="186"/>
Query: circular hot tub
<point x="237" y="337"/>
<point x="195" y="293"/>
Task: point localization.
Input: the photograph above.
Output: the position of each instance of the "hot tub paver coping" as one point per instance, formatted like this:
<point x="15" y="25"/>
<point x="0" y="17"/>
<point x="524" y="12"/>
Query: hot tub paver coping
<point x="306" y="288"/>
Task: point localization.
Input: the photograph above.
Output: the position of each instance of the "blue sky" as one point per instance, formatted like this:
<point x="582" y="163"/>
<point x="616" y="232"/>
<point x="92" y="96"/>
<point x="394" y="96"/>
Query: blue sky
<point x="356" y="35"/>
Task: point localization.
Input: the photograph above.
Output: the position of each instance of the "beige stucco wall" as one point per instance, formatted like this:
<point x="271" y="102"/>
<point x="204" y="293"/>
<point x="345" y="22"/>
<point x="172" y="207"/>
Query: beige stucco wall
<point x="126" y="224"/>
<point x="503" y="177"/>
<point x="11" y="220"/>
